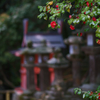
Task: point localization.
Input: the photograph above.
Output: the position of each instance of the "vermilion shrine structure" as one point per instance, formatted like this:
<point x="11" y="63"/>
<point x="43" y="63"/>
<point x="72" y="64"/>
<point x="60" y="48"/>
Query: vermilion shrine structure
<point x="53" y="40"/>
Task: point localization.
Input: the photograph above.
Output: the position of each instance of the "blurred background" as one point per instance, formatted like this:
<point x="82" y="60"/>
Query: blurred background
<point x="12" y="13"/>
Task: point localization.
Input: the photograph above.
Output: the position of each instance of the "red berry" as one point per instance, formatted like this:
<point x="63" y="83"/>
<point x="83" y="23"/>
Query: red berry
<point x="49" y="11"/>
<point x="94" y="19"/>
<point x="91" y="4"/>
<point x="81" y="34"/>
<point x="91" y="93"/>
<point x="99" y="93"/>
<point x="85" y="12"/>
<point x="57" y="6"/>
<point x="98" y="26"/>
<point x="46" y="9"/>
<point x="84" y="22"/>
<point x="98" y="42"/>
<point x="87" y="3"/>
<point x="77" y="17"/>
<point x="70" y="16"/>
<point x="72" y="27"/>
<point x="58" y="9"/>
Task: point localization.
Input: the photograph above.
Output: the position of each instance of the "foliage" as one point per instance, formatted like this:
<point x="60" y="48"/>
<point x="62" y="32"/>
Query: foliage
<point x="85" y="11"/>
<point x="11" y="33"/>
<point x="89" y="94"/>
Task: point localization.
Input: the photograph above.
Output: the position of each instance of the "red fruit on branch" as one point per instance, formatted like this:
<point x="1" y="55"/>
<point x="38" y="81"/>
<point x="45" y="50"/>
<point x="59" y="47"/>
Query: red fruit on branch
<point x="58" y="9"/>
<point x="98" y="93"/>
<point x="70" y="16"/>
<point x="87" y="3"/>
<point x="91" y="93"/>
<point x="84" y="22"/>
<point x="91" y="4"/>
<point x="53" y="24"/>
<point x="77" y="17"/>
<point x="57" y="6"/>
<point x="79" y="34"/>
<point x="85" y="12"/>
<point x="72" y="27"/>
<point x="98" y="42"/>
<point x="98" y="26"/>
<point x="46" y="9"/>
<point x="49" y="11"/>
<point x="94" y="19"/>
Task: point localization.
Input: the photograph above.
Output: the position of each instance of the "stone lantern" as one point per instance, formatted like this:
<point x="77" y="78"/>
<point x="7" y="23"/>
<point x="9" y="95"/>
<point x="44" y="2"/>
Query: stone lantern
<point x="43" y="52"/>
<point x="29" y="55"/>
<point x="75" y="56"/>
<point x="93" y="51"/>
<point x="58" y="63"/>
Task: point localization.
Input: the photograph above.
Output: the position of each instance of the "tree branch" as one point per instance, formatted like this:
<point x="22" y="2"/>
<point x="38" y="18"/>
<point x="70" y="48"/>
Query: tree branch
<point x="6" y="80"/>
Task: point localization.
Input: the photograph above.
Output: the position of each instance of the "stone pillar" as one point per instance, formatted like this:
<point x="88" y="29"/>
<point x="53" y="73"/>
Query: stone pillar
<point x="92" y="68"/>
<point x="76" y="69"/>
<point x="44" y="78"/>
<point x="98" y="68"/>
<point x="58" y="76"/>
<point x="76" y="72"/>
<point x="30" y="78"/>
<point x="75" y="57"/>
<point x="94" y="60"/>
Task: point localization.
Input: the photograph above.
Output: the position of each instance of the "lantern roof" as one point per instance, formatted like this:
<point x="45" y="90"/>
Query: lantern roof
<point x="27" y="51"/>
<point x="52" y="39"/>
<point x="38" y="50"/>
<point x="58" y="63"/>
<point x="43" y="49"/>
<point x="55" y="60"/>
<point x="58" y="58"/>
<point x="73" y="40"/>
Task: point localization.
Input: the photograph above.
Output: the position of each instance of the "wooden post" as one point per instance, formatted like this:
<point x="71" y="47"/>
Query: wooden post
<point x="7" y="95"/>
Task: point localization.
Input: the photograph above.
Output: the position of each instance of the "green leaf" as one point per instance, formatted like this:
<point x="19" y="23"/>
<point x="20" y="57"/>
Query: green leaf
<point x="49" y="25"/>
<point x="75" y="90"/>
<point x="94" y="97"/>
<point x="97" y="97"/>
<point x="97" y="40"/>
<point x="88" y="12"/>
<point x="70" y="21"/>
<point x="90" y="97"/>
<point x="87" y="95"/>
<point x="79" y="92"/>
<point x="98" y="30"/>
<point x="44" y="9"/>
<point x="98" y="88"/>
<point x="91" y="14"/>
<point x="87" y="29"/>
<point x="58" y="26"/>
<point x="97" y="35"/>
<point x="83" y="96"/>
